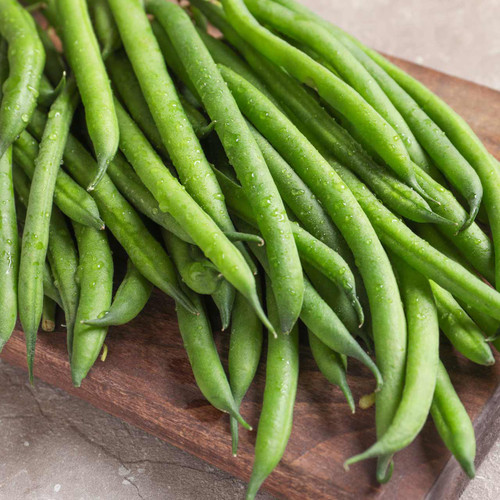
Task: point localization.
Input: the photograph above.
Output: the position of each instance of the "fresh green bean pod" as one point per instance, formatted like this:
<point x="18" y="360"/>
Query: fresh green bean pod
<point x="245" y="156"/>
<point x="275" y="422"/>
<point x="348" y="67"/>
<point x="129" y="300"/>
<point x="69" y="197"/>
<point x="61" y="254"/>
<point x="9" y="254"/>
<point x="26" y="61"/>
<point x="173" y="198"/>
<point x="195" y="269"/>
<point x="95" y="277"/>
<point x="332" y="367"/>
<point x="82" y="51"/>
<point x="36" y="228"/>
<point x="421" y="366"/>
<point x="131" y="186"/>
<point x="49" y="288"/>
<point x="127" y="227"/>
<point x="207" y="368"/>
<point x="223" y="298"/>
<point x="453" y="423"/>
<point x="244" y="354"/>
<point x="48" y="314"/>
<point x="337" y="93"/>
<point x="54" y="65"/>
<point x="105" y="27"/>
<point x="461" y="331"/>
<point x="487" y="324"/>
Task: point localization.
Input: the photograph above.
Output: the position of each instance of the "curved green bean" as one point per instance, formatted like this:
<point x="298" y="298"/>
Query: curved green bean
<point x="69" y="197"/>
<point x="275" y="422"/>
<point x="453" y="423"/>
<point x="421" y="366"/>
<point x="332" y="366"/>
<point x="245" y="156"/>
<point x="26" y="61"/>
<point x="207" y="368"/>
<point x="105" y="27"/>
<point x="49" y="288"/>
<point x="82" y="51"/>
<point x="143" y="249"/>
<point x="244" y="354"/>
<point x="223" y="298"/>
<point x="36" y="228"/>
<point x="129" y="300"/>
<point x="95" y="277"/>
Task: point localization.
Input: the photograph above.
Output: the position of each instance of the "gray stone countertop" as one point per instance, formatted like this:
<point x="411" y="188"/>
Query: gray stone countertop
<point x="55" y="446"/>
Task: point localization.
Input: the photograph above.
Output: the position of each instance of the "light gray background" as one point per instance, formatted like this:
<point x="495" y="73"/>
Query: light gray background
<point x="54" y="446"/>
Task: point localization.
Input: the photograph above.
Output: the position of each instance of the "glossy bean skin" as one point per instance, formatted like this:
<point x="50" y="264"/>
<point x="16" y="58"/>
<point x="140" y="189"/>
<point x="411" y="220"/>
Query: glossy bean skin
<point x="105" y="27"/>
<point x="198" y="273"/>
<point x="37" y="225"/>
<point x="276" y="417"/>
<point x="332" y="366"/>
<point x="95" y="279"/>
<point x="389" y="326"/>
<point x="421" y="367"/>
<point x="337" y="93"/>
<point x="69" y="197"/>
<point x="61" y="254"/>
<point x="207" y="368"/>
<point x="82" y="51"/>
<point x="9" y="252"/>
<point x="143" y="249"/>
<point x="131" y="186"/>
<point x="461" y="331"/>
<point x="245" y="156"/>
<point x="173" y="198"/>
<point x="129" y="300"/>
<point x="26" y="61"/>
<point x="453" y="423"/>
<point x="315" y="122"/>
<point x="223" y="298"/>
<point x="245" y="349"/>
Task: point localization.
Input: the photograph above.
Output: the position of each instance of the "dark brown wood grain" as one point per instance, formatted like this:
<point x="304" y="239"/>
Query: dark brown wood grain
<point x="147" y="381"/>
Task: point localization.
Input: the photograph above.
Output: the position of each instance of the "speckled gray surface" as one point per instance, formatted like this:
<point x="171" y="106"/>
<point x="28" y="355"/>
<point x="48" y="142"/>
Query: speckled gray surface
<point x="54" y="446"/>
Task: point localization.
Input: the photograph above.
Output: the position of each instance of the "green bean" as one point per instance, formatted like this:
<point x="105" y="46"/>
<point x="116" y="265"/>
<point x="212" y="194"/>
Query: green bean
<point x="49" y="288"/>
<point x="332" y="367"/>
<point x="173" y="198"/>
<point x="54" y="65"/>
<point x="421" y="366"/>
<point x="95" y="276"/>
<point x="127" y="227"/>
<point x="129" y="184"/>
<point x="223" y="298"/>
<point x="349" y="68"/>
<point x="199" y="18"/>
<point x="453" y="423"/>
<point x="26" y="61"/>
<point x="245" y="156"/>
<point x="487" y="324"/>
<point x="311" y="250"/>
<point x="36" y="228"/>
<point x="207" y="368"/>
<point x="250" y="238"/>
<point x="244" y="354"/>
<point x="393" y="233"/>
<point x="341" y="96"/>
<point x="48" y="314"/>
<point x="82" y="50"/>
<point x="71" y="199"/>
<point x="389" y="328"/>
<point x="129" y="300"/>
<point x="275" y="422"/>
<point x="196" y="271"/>
<point x="9" y="253"/>
<point x="461" y="331"/>
<point x="61" y="254"/>
<point x="105" y="27"/>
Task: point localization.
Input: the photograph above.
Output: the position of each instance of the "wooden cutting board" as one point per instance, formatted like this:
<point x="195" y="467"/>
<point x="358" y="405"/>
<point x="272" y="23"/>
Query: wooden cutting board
<point x="147" y="381"/>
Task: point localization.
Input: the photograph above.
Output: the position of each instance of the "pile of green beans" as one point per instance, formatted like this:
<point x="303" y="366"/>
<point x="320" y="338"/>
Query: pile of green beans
<point x="287" y="175"/>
